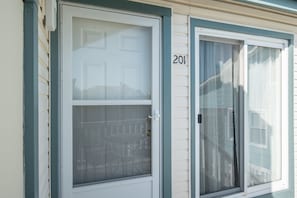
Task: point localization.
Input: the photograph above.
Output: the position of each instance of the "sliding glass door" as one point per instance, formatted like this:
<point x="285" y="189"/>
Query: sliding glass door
<point x="241" y="106"/>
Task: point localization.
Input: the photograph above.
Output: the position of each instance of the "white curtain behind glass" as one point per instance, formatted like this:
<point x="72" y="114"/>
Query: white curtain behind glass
<point x="218" y="69"/>
<point x="264" y="114"/>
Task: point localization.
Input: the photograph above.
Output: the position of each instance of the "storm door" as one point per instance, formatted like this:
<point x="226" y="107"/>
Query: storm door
<point x="110" y="104"/>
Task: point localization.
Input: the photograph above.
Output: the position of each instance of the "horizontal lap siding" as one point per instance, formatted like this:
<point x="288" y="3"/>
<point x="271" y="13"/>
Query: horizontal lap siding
<point x="180" y="110"/>
<point x="44" y="104"/>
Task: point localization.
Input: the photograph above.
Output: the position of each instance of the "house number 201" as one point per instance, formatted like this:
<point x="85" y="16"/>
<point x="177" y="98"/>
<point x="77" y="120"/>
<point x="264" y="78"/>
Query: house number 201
<point x="179" y="59"/>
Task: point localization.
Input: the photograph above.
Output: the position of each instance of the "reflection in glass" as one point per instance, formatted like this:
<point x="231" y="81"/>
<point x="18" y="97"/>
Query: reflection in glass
<point x="111" y="61"/>
<point x="110" y="142"/>
<point x="219" y="106"/>
<point x="264" y="114"/>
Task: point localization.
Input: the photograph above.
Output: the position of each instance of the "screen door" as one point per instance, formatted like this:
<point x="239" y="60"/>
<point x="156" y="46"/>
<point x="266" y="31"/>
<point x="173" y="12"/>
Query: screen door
<point x="110" y="104"/>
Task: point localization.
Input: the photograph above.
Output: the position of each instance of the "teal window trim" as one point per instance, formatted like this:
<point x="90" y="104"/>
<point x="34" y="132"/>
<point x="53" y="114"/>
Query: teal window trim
<point x="282" y="5"/>
<point x="251" y="31"/>
<point x="31" y="98"/>
<point x="165" y="14"/>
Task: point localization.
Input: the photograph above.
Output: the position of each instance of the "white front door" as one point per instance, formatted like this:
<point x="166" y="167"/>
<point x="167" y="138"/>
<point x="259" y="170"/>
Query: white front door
<point x="110" y="141"/>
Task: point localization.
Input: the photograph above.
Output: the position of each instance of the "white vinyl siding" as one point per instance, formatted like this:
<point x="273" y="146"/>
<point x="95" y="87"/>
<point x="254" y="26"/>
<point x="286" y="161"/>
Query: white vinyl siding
<point x="44" y="104"/>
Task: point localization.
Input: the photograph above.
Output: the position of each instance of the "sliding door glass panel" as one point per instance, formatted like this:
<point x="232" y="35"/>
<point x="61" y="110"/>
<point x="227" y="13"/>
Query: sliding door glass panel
<point x="110" y="142"/>
<point x="111" y="65"/>
<point x="111" y="61"/>
<point x="264" y="114"/>
<point x="219" y="106"/>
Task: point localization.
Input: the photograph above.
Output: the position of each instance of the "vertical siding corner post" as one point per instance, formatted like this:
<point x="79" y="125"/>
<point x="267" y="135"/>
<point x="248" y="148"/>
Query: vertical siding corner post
<point x="31" y="98"/>
<point x="167" y="158"/>
<point x="55" y="79"/>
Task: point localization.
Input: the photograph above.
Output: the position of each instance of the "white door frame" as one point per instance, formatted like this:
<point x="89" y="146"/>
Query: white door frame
<point x="67" y="13"/>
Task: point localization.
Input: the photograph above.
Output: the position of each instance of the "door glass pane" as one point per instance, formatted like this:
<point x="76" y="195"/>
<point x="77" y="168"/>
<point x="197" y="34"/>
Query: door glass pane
<point x="111" y="60"/>
<point x="110" y="142"/>
<point x="219" y="106"/>
<point x="264" y="114"/>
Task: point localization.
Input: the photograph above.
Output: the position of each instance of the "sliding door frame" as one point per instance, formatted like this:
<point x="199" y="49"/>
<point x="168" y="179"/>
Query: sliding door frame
<point x="269" y="36"/>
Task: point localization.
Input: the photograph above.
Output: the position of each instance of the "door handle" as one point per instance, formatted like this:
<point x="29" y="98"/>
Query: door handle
<point x="199" y="118"/>
<point x="155" y="116"/>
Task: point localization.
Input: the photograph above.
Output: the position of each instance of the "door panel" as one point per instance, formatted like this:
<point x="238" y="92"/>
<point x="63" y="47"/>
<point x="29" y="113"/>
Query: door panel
<point x="264" y="113"/>
<point x="110" y="128"/>
<point x="219" y="107"/>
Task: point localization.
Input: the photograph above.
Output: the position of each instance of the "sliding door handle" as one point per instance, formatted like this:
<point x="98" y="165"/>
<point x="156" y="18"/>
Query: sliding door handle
<point x="199" y="118"/>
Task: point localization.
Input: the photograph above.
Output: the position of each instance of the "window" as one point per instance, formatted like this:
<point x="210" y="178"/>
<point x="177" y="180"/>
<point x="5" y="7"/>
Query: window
<point x="241" y="95"/>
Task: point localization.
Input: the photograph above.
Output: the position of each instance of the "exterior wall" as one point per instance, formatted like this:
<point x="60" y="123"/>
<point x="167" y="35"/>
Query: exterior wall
<point x="11" y="106"/>
<point x="223" y="11"/>
<point x="44" y="113"/>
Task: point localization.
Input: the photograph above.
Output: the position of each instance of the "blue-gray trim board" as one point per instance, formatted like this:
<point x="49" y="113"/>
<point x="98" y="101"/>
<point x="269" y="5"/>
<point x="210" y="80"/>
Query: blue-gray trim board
<point x="127" y="6"/>
<point x="252" y="31"/>
<point x="165" y="14"/>
<point x="282" y="5"/>
<point x="31" y="98"/>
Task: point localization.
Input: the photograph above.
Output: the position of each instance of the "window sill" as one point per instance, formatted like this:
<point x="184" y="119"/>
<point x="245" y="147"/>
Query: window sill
<point x="261" y="190"/>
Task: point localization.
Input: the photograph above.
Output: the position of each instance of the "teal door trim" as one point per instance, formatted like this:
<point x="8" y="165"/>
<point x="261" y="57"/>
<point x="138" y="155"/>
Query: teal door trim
<point x="165" y="14"/>
<point x="31" y="98"/>
<point x="252" y="31"/>
<point x="127" y="5"/>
